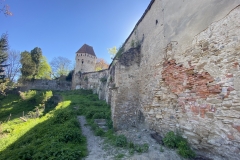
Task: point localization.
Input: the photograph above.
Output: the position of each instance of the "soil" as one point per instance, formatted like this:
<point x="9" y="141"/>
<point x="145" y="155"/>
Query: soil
<point x="100" y="150"/>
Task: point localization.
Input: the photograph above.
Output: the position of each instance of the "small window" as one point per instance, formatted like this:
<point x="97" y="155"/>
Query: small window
<point x="156" y="21"/>
<point x="82" y="61"/>
<point x="81" y="54"/>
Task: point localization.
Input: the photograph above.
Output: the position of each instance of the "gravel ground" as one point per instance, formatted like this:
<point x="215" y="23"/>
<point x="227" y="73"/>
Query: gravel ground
<point x="98" y="150"/>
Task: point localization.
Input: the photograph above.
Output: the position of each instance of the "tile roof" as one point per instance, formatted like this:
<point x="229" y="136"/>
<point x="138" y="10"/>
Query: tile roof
<point x="86" y="49"/>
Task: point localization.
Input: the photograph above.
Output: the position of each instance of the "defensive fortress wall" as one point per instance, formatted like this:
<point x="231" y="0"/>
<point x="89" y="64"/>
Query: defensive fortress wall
<point x="179" y="71"/>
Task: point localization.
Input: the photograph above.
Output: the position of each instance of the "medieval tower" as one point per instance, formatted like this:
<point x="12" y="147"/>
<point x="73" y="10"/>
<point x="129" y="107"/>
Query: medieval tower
<point x="85" y="59"/>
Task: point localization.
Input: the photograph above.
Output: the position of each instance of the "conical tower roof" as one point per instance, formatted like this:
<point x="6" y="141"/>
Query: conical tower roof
<point x="86" y="49"/>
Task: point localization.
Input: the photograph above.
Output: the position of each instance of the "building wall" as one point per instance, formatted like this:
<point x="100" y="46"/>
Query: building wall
<point x="88" y="65"/>
<point x="184" y="74"/>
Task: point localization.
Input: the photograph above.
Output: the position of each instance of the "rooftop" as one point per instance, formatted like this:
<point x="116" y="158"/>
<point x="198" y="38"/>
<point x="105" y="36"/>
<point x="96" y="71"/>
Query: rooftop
<point x="86" y="49"/>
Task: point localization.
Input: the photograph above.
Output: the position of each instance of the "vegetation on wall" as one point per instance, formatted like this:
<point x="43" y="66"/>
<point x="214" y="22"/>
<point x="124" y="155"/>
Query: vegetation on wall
<point x="173" y="140"/>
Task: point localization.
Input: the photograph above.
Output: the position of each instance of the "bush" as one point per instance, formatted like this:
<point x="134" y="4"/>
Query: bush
<point x="99" y="132"/>
<point x="173" y="140"/>
<point x="121" y="141"/>
<point x="170" y="140"/>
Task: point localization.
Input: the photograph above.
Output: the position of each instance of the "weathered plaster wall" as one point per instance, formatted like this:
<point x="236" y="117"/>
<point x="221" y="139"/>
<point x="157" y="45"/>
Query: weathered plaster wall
<point x="184" y="76"/>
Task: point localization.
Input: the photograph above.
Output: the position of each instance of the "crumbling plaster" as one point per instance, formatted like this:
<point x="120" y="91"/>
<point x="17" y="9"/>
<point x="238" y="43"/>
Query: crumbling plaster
<point x="187" y="78"/>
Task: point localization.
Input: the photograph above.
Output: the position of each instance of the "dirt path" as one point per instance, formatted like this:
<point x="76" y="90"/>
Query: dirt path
<point x="98" y="150"/>
<point x="94" y="143"/>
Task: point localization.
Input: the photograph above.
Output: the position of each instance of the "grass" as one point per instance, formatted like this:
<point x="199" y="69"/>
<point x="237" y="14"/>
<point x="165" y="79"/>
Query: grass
<point x="172" y="140"/>
<point x="53" y="135"/>
<point x="92" y="108"/>
<point x="55" y="132"/>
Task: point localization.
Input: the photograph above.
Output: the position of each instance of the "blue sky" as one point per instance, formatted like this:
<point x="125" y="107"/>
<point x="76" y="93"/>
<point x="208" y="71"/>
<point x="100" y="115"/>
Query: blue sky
<point x="61" y="27"/>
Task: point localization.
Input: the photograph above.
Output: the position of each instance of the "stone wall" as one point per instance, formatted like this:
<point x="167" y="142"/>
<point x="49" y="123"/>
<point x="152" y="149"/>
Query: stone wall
<point x="180" y="71"/>
<point x="41" y="84"/>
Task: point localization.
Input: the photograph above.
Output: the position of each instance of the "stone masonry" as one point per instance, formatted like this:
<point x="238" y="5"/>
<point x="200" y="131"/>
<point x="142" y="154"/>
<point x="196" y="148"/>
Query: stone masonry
<point x="180" y="71"/>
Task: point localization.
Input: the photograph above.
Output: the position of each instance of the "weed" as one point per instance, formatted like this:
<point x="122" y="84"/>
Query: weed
<point x="121" y="141"/>
<point x="103" y="79"/>
<point x="161" y="149"/>
<point x="132" y="43"/>
<point x="141" y="148"/>
<point x="119" y="156"/>
<point x="99" y="132"/>
<point x="173" y="140"/>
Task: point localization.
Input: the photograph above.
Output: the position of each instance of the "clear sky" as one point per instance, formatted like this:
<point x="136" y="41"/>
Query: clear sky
<point x="61" y="27"/>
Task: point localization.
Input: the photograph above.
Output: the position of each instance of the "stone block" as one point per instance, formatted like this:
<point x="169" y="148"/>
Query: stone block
<point x="213" y="100"/>
<point x="227" y="103"/>
<point x="210" y="115"/>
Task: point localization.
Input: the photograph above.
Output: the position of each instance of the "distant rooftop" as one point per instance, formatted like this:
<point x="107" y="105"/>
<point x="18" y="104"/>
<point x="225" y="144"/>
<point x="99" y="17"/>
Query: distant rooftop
<point x="86" y="49"/>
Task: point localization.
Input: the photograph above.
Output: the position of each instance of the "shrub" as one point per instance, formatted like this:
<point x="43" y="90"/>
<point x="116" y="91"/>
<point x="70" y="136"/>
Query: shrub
<point x="173" y="140"/>
<point x="184" y="150"/>
<point x="103" y="79"/>
<point x="121" y="141"/>
<point x="99" y="132"/>
<point x="170" y="140"/>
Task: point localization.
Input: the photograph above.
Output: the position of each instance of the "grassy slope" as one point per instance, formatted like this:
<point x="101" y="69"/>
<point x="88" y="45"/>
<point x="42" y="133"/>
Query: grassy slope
<point x="55" y="135"/>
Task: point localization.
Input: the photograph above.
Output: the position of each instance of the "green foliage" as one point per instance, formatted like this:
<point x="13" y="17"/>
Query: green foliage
<point x="112" y="51"/>
<point x="170" y="140"/>
<point x="34" y="65"/>
<point x="36" y="55"/>
<point x="103" y="79"/>
<point x="99" y="132"/>
<point x="184" y="150"/>
<point x="69" y="76"/>
<point x="132" y="43"/>
<point x="141" y="148"/>
<point x="56" y="135"/>
<point x="120" y="51"/>
<point x="3" y="48"/>
<point x="93" y="108"/>
<point x="28" y="65"/>
<point x="173" y="140"/>
<point x="121" y="141"/>
<point x="161" y="149"/>
<point x="119" y="156"/>
<point x="44" y="69"/>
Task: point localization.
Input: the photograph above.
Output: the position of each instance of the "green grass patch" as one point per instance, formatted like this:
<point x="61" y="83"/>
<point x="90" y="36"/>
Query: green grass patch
<point x="53" y="135"/>
<point x="172" y="140"/>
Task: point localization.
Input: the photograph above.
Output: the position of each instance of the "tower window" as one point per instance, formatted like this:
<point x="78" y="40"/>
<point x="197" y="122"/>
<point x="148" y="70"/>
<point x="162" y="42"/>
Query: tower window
<point x="82" y="61"/>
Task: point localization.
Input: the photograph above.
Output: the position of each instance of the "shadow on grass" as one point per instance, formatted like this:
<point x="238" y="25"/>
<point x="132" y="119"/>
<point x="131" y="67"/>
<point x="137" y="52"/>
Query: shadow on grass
<point x="57" y="136"/>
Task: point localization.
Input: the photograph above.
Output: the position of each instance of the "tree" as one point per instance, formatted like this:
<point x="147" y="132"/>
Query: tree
<point x="28" y="65"/>
<point x="36" y="55"/>
<point x="3" y="48"/>
<point x="112" y="51"/>
<point x="101" y="64"/>
<point x="12" y="71"/>
<point x="5" y="8"/>
<point x="69" y="76"/>
<point x="60" y="66"/>
<point x="3" y="53"/>
<point x="44" y="69"/>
